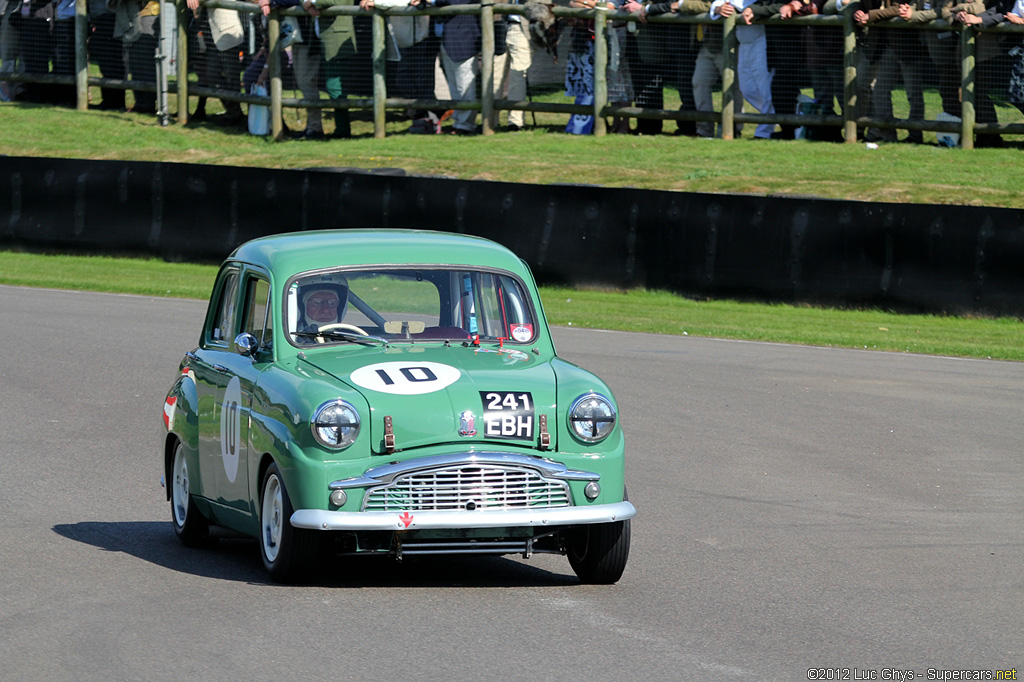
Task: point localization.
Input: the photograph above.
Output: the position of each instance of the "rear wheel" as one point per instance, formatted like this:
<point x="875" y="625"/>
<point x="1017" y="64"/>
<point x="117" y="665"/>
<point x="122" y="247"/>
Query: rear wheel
<point x="190" y="526"/>
<point x="598" y="553"/>
<point x="287" y="552"/>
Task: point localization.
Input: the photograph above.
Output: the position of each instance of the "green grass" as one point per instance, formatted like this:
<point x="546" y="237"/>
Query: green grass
<point x="636" y="310"/>
<point x="891" y="173"/>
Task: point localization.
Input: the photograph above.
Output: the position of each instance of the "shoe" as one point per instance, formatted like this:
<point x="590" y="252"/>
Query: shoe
<point x="313" y="135"/>
<point x="513" y="128"/>
<point x="873" y="135"/>
<point x="227" y="120"/>
<point x="110" y="105"/>
<point x="463" y="131"/>
<point x="686" y="128"/>
<point x="912" y="139"/>
<point x="988" y="141"/>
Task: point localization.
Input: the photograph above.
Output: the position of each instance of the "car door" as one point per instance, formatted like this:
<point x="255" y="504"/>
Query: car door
<point x="224" y="384"/>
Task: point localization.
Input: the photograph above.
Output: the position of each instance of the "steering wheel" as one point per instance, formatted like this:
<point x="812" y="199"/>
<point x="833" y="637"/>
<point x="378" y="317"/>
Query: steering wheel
<point x="344" y="326"/>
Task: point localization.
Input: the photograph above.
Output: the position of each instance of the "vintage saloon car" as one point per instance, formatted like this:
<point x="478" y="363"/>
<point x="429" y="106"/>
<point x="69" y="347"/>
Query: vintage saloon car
<point x="391" y="392"/>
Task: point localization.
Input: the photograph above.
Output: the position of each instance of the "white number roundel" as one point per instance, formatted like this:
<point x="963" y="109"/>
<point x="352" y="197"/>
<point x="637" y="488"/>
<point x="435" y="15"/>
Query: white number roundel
<point x="406" y="378"/>
<point x="231" y="428"/>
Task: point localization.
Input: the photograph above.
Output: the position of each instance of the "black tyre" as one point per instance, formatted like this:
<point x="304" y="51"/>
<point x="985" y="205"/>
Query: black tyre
<point x="189" y="525"/>
<point x="598" y="553"/>
<point x="287" y="552"/>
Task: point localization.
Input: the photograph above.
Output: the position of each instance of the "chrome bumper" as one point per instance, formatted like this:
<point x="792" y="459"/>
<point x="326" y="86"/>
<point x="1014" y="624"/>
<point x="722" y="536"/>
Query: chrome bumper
<point x="319" y="519"/>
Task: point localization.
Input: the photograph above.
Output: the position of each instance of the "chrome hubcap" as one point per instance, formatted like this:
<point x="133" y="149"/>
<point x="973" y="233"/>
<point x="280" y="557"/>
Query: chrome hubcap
<point x="179" y="487"/>
<point x="273" y="518"/>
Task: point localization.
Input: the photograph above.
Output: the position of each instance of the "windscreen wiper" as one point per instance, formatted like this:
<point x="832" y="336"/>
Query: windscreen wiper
<point x="344" y="336"/>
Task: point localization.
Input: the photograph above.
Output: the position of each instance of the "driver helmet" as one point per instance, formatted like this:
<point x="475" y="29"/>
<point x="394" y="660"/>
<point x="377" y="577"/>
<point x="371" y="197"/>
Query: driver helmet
<point x="323" y="299"/>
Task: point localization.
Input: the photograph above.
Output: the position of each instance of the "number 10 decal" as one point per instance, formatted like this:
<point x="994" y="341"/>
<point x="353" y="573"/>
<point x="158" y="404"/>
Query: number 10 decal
<point x="231" y="428"/>
<point x="405" y="378"/>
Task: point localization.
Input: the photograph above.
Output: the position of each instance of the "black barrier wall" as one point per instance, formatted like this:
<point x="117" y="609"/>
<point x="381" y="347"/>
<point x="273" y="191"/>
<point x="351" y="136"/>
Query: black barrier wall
<point x="933" y="258"/>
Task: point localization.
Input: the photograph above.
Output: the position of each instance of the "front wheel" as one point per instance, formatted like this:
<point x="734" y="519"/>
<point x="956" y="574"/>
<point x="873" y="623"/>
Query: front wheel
<point x="287" y="552"/>
<point x="598" y="553"/>
<point x="189" y="525"/>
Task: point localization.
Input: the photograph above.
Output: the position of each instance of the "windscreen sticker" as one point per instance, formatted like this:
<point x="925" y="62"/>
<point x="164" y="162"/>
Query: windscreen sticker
<point x="405" y="378"/>
<point x="522" y="332"/>
<point x="508" y="414"/>
<point x="231" y="428"/>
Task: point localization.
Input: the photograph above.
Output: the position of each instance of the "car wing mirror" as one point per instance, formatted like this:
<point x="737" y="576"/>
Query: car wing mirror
<point x="246" y="344"/>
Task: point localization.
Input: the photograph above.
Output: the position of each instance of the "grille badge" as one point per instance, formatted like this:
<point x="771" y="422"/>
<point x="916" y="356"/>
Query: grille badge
<point x="467" y="424"/>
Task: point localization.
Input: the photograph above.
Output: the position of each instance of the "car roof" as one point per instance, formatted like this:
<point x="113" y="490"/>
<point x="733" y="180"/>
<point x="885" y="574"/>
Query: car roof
<point x="294" y="252"/>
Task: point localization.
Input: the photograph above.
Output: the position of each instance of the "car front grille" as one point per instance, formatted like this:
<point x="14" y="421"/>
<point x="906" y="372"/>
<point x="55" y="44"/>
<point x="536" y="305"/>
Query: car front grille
<point x="468" y="487"/>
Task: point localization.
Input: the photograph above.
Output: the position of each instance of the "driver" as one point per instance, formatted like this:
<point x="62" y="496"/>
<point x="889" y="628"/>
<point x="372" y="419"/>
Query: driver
<point x="323" y="304"/>
<point x="321" y="307"/>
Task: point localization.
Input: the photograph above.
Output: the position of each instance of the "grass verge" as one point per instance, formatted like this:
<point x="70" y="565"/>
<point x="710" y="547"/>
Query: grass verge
<point x="542" y="154"/>
<point x="635" y="310"/>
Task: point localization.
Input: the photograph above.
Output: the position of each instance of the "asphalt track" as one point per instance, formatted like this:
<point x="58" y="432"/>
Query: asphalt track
<point x="799" y="508"/>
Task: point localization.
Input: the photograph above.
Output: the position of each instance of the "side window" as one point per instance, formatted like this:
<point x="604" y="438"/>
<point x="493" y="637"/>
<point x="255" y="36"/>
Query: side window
<point x="223" y="324"/>
<point x="257" y="312"/>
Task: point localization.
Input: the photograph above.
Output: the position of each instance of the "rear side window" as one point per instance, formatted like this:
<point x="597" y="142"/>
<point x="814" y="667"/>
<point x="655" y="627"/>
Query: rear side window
<point x="223" y="329"/>
<point x="257" y="312"/>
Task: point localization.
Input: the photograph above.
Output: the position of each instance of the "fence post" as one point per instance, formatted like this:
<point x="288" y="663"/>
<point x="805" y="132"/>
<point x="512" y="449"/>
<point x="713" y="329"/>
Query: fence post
<point x="183" y="12"/>
<point x="274" y="67"/>
<point x="600" y="66"/>
<point x="729" y="83"/>
<point x="81" y="56"/>
<point x="379" y="58"/>
<point x="487" y="66"/>
<point x="968" y="43"/>
<point x="849" y="75"/>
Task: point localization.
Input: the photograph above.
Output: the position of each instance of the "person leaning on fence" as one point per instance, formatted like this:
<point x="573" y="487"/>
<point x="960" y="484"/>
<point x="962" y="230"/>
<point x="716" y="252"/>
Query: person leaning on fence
<point x="755" y="80"/>
<point x="10" y="52"/>
<point x="1015" y="90"/>
<point x="338" y="36"/>
<point x="64" y="51"/>
<point x="411" y="51"/>
<point x="306" y="57"/>
<point x="35" y="47"/>
<point x="136" y="23"/>
<point x="943" y="47"/>
<point x="460" y="45"/>
<point x="654" y="51"/>
<point x="707" y="69"/>
<point x="689" y="41"/>
<point x="579" y="67"/>
<point x="255" y="78"/>
<point x="105" y="51"/>
<point x="824" y="48"/>
<point x="520" y="59"/>
<point x="216" y="38"/>
<point x="992" y="66"/>
<point x="900" y="54"/>
<point x="787" y="54"/>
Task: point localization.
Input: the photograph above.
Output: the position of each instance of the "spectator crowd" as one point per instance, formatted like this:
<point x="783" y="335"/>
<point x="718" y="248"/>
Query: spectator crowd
<point x="438" y="58"/>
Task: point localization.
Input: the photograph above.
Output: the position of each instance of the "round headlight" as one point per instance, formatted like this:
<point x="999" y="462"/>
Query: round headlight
<point x="592" y="418"/>
<point x="335" y="424"/>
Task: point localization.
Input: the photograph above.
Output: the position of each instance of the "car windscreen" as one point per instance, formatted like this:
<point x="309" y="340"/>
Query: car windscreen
<point x="408" y="305"/>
